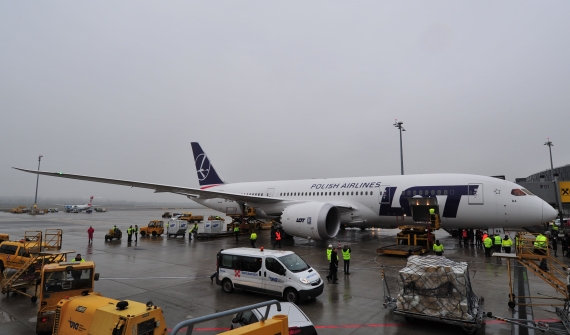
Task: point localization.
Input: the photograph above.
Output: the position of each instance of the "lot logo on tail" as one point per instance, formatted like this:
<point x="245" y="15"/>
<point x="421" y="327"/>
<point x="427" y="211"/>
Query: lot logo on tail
<point x="202" y="167"/>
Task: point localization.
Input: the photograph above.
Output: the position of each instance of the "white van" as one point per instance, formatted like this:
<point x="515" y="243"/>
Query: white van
<point x="274" y="272"/>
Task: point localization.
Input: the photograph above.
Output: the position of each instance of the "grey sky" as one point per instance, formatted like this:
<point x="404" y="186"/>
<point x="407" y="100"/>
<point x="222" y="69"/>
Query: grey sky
<point x="278" y="90"/>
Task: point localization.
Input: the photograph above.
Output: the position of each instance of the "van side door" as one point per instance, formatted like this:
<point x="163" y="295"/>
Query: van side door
<point x="250" y="273"/>
<point x="274" y="277"/>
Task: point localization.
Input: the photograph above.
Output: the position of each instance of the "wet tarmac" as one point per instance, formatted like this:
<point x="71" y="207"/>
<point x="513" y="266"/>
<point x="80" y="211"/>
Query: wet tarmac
<point x="174" y="274"/>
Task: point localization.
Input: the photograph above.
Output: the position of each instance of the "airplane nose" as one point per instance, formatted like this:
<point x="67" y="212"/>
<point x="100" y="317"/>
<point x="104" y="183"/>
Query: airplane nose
<point x="548" y="212"/>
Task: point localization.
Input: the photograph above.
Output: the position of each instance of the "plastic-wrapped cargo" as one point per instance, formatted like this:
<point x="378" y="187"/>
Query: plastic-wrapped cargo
<point x="437" y="286"/>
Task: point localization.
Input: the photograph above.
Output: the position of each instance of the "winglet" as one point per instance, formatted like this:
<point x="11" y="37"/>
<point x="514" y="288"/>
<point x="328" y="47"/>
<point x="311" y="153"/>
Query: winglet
<point x="207" y="175"/>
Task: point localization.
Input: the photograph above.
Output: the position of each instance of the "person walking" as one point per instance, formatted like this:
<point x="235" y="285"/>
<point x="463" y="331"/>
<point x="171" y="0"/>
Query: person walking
<point x="498" y="242"/>
<point x="236" y="231"/>
<point x="478" y="238"/>
<point x="329" y="254"/>
<point x="465" y="237"/>
<point x="507" y="244"/>
<point x="333" y="267"/>
<point x="136" y="232"/>
<point x="90" y="232"/>
<point x="277" y="239"/>
<point x="438" y="248"/>
<point x="488" y="244"/>
<point x="130" y="233"/>
<point x="252" y="239"/>
<point x="194" y="230"/>
<point x="554" y="241"/>
<point x="470" y="236"/>
<point x="346" y="259"/>
<point x="460" y="236"/>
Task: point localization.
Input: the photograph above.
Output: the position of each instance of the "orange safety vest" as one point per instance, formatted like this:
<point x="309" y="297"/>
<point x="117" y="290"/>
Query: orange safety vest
<point x="277" y="235"/>
<point x="484" y="237"/>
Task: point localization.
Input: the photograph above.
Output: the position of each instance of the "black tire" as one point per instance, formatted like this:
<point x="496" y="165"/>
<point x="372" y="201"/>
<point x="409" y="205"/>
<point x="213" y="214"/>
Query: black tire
<point x="143" y="234"/>
<point x="291" y="295"/>
<point x="227" y="286"/>
<point x="363" y="228"/>
<point x="34" y="298"/>
<point x="154" y="234"/>
<point x="512" y="304"/>
<point x="2" y="266"/>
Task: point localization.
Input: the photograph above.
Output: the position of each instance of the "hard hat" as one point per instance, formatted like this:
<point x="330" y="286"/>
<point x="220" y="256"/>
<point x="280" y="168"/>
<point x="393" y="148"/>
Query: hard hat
<point x="330" y="245"/>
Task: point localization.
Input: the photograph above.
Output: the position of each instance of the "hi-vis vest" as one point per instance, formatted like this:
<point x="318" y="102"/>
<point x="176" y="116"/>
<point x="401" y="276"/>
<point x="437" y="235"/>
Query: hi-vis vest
<point x="507" y="243"/>
<point x="329" y="252"/>
<point x="488" y="242"/>
<point x="74" y="260"/>
<point x="498" y="240"/>
<point x="277" y="236"/>
<point x="431" y="211"/>
<point x="253" y="236"/>
<point x="236" y="229"/>
<point x="540" y="242"/>
<point x="346" y="254"/>
<point x="437" y="248"/>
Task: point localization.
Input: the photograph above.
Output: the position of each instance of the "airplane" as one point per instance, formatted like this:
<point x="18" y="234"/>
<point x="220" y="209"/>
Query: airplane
<point x="316" y="208"/>
<point x="78" y="208"/>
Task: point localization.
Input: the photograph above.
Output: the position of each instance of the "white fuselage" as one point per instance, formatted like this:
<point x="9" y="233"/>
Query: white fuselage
<point x="465" y="201"/>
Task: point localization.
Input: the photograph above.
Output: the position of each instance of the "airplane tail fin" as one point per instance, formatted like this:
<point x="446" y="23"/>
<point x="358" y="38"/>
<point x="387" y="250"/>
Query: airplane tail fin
<point x="207" y="175"/>
<point x="90" y="201"/>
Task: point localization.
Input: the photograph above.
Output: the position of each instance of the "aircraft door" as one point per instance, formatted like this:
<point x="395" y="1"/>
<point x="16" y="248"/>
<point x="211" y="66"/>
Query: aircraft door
<point x="270" y="192"/>
<point x="475" y="194"/>
<point x="384" y="194"/>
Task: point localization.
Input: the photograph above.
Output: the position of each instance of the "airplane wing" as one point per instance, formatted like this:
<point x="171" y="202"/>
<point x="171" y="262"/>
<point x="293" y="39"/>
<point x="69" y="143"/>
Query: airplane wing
<point x="159" y="188"/>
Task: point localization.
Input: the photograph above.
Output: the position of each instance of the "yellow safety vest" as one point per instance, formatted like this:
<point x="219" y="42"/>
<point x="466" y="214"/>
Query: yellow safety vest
<point x="438" y="248"/>
<point x="431" y="211"/>
<point x="507" y="243"/>
<point x="236" y="229"/>
<point x="498" y="240"/>
<point x="346" y="254"/>
<point x="540" y="242"/>
<point x="488" y="242"/>
<point x="329" y="253"/>
<point x="74" y="260"/>
<point x="253" y="236"/>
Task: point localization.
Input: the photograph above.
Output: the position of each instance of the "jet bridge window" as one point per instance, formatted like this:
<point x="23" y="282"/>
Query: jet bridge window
<point x="517" y="193"/>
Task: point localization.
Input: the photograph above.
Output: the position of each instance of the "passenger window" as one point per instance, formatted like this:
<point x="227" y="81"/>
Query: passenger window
<point x="409" y="193"/>
<point x="444" y="192"/>
<point x="420" y="192"/>
<point x="361" y="193"/>
<point x="251" y="264"/>
<point x="351" y="193"/>
<point x="414" y="192"/>
<point x="273" y="265"/>
<point x="230" y="262"/>
<point x="366" y="193"/>
<point x="371" y="192"/>
<point x="438" y="192"/>
<point x="432" y="192"/>
<point x="9" y="249"/>
<point x="518" y="193"/>
<point x="451" y="192"/>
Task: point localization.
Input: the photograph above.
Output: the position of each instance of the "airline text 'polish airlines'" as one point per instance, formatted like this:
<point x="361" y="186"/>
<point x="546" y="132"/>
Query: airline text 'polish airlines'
<point x="316" y="208"/>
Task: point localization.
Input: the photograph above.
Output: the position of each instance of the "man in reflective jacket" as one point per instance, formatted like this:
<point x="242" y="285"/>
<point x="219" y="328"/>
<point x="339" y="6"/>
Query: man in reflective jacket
<point x="488" y="244"/>
<point x="498" y="242"/>
<point x="346" y="258"/>
<point x="507" y="244"/>
<point x="438" y="248"/>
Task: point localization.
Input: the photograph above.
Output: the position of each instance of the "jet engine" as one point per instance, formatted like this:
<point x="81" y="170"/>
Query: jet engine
<point x="316" y="220"/>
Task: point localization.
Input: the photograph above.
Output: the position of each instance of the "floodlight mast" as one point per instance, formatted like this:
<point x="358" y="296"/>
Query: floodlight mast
<point x="555" y="181"/>
<point x="398" y="124"/>
<point x="37" y="182"/>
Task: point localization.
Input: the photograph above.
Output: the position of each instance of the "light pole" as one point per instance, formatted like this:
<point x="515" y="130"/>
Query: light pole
<point x="554" y="180"/>
<point x="37" y="182"/>
<point x="398" y="124"/>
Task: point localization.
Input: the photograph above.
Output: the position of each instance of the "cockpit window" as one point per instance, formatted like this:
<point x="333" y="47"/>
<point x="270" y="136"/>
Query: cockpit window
<point x="527" y="191"/>
<point x="517" y="192"/>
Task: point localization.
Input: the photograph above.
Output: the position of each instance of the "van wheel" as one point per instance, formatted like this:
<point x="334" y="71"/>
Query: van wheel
<point x="227" y="286"/>
<point x="291" y="295"/>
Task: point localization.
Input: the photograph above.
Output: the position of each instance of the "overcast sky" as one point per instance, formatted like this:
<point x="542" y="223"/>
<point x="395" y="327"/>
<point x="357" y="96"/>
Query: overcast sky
<point x="278" y="90"/>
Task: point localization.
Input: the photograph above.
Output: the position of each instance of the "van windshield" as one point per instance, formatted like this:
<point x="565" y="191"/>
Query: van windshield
<point x="294" y="263"/>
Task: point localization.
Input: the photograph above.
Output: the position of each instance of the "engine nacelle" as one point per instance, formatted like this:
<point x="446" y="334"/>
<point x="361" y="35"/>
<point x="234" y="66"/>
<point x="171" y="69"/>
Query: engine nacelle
<point x="316" y="220"/>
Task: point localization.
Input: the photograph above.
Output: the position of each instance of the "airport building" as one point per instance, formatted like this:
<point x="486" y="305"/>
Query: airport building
<point x="542" y="185"/>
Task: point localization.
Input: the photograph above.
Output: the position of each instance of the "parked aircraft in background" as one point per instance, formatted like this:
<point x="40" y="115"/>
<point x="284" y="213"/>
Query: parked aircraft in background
<point x="78" y="208"/>
<point x="316" y="208"/>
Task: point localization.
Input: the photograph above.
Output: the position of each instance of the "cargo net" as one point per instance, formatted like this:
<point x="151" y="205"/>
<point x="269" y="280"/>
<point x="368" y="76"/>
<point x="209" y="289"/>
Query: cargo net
<point x="436" y="286"/>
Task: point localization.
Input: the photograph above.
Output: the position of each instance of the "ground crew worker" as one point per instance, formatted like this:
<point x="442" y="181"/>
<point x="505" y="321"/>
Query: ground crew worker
<point x="195" y="230"/>
<point x="114" y="228"/>
<point x="236" y="232"/>
<point x="555" y="229"/>
<point x="465" y="237"/>
<point x="498" y="242"/>
<point x="252" y="239"/>
<point x="540" y="244"/>
<point x="346" y="258"/>
<point x="130" y="233"/>
<point x="277" y="238"/>
<point x="329" y="252"/>
<point x="90" y="232"/>
<point x="432" y="216"/>
<point x="333" y="267"/>
<point x="478" y="238"/>
<point x="77" y="273"/>
<point x="136" y="232"/>
<point x="554" y="241"/>
<point x="438" y="248"/>
<point x="488" y="244"/>
<point x="507" y="243"/>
